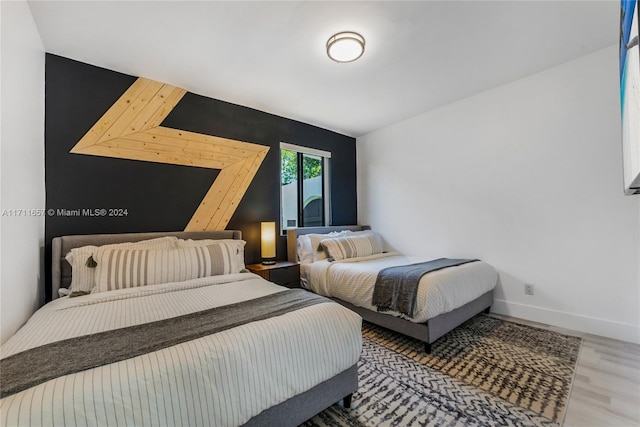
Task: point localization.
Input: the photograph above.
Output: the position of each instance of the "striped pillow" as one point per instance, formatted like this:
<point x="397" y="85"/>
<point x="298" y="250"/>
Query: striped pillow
<point x="235" y="245"/>
<point x="353" y="246"/>
<point x="83" y="277"/>
<point x="318" y="252"/>
<point x="127" y="268"/>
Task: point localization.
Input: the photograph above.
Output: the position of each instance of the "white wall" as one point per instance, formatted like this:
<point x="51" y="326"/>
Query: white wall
<point x="527" y="176"/>
<point x="22" y="160"/>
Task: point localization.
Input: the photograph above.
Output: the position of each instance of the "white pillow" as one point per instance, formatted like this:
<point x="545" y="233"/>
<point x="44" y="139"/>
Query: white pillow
<point x="353" y="246"/>
<point x="128" y="268"/>
<point x="304" y="250"/>
<point x="83" y="276"/>
<point x="237" y="245"/>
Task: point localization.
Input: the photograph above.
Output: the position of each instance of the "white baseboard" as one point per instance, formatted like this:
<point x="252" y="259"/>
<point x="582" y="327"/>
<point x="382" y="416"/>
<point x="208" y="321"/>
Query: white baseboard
<point x="591" y="325"/>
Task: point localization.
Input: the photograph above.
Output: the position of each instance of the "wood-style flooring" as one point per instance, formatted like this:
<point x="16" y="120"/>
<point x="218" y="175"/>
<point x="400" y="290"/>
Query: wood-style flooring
<point x="606" y="387"/>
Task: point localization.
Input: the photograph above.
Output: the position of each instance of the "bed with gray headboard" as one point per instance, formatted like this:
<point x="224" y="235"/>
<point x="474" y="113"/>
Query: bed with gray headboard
<point x="427" y="331"/>
<point x="61" y="246"/>
<point x="235" y="373"/>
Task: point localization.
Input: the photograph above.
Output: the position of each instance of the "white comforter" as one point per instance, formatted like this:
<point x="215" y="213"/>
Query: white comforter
<point x="219" y="380"/>
<point x="441" y="291"/>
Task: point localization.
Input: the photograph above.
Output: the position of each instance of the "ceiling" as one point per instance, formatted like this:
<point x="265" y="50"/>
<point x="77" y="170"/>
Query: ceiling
<point x="271" y="55"/>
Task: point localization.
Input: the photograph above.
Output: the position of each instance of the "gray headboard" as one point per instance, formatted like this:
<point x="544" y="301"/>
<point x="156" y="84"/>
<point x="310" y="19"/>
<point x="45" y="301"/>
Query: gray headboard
<point x="292" y="236"/>
<point x="60" y="246"/>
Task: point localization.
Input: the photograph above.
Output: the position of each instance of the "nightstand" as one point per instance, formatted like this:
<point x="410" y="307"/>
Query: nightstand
<point x="283" y="273"/>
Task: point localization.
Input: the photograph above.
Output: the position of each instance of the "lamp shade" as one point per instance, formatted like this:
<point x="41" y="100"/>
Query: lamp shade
<point x="268" y="239"/>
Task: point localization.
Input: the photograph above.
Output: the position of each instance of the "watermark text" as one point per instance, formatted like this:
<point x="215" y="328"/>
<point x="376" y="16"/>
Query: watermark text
<point x="66" y="212"/>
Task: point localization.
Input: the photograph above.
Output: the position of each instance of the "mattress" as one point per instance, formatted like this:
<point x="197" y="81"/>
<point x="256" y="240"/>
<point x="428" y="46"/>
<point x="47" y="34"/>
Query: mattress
<point x="222" y="379"/>
<point x="352" y="280"/>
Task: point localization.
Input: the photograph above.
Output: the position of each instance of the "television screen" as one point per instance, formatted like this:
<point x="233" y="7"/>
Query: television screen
<point x="630" y="95"/>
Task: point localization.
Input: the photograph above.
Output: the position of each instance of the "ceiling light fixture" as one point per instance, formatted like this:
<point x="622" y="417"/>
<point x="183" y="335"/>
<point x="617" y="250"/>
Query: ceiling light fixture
<point x="345" y="46"/>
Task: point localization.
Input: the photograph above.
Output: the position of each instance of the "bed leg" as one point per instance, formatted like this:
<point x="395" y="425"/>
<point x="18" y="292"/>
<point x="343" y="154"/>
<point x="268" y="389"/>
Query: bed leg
<point x="346" y="401"/>
<point x="487" y="310"/>
<point x="427" y="348"/>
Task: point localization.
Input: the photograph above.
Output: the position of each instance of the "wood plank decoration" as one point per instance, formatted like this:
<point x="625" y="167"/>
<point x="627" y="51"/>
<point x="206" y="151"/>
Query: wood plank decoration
<point x="131" y="129"/>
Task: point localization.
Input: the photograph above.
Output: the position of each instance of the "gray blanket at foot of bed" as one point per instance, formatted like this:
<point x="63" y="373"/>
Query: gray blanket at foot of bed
<point x="396" y="288"/>
<point x="37" y="365"/>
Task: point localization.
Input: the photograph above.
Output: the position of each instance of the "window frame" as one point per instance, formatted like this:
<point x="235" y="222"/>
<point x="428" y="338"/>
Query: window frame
<point x="326" y="187"/>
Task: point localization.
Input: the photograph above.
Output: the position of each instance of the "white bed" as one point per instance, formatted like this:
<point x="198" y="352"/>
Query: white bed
<point x="445" y="298"/>
<point x="258" y="373"/>
<point x="441" y="291"/>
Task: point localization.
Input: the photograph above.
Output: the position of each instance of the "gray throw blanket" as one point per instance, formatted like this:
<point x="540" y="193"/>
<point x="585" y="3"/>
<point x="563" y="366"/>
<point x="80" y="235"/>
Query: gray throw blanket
<point x="37" y="365"/>
<point x="396" y="288"/>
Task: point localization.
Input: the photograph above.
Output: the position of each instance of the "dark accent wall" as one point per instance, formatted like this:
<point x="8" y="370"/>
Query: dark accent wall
<point x="162" y="197"/>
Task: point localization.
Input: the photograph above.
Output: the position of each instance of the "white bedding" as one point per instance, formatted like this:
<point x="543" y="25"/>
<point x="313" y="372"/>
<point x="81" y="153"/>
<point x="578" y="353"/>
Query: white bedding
<point x="222" y="379"/>
<point x="441" y="291"/>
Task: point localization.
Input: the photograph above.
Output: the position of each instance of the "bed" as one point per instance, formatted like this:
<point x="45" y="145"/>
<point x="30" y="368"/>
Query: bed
<point x="189" y="355"/>
<point x="350" y="282"/>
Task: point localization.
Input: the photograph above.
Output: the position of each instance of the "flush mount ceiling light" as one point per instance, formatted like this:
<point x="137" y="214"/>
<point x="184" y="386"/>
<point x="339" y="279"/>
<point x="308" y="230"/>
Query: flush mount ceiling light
<point x="346" y="46"/>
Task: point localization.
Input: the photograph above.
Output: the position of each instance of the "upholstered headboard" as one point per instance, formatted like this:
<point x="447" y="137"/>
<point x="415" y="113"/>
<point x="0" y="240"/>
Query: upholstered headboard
<point x="60" y="246"/>
<point x="292" y="235"/>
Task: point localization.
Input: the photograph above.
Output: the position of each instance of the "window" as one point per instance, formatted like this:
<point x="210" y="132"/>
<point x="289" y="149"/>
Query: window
<point x="304" y="186"/>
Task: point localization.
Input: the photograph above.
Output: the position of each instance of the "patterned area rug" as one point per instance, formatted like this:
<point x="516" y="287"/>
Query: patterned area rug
<point x="487" y="372"/>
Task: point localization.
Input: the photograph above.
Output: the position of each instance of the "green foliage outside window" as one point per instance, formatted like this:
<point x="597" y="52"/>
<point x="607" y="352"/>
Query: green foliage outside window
<point x="312" y="167"/>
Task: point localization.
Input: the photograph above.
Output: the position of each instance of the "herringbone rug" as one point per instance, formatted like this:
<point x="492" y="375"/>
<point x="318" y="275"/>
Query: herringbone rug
<point x="487" y="372"/>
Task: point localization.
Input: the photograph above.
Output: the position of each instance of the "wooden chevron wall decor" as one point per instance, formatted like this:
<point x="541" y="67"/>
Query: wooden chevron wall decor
<point x="131" y="129"/>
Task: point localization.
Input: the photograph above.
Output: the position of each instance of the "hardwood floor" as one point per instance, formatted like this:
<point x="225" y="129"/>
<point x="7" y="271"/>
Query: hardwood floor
<point x="606" y="386"/>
